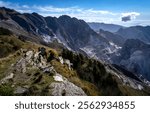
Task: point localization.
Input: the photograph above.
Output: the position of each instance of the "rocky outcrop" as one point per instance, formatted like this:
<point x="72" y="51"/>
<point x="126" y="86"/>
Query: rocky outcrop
<point x="35" y="61"/>
<point x="65" y="88"/>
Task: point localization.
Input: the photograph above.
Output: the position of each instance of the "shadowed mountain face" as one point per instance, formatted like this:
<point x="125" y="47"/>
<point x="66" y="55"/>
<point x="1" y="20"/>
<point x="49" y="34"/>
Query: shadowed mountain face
<point x="136" y="32"/>
<point x="113" y="37"/>
<point x="134" y="56"/>
<point x="75" y="32"/>
<point x="72" y="33"/>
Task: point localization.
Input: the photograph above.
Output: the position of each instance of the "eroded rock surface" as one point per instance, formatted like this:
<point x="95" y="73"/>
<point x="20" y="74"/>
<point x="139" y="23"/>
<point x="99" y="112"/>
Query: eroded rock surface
<point x="65" y="88"/>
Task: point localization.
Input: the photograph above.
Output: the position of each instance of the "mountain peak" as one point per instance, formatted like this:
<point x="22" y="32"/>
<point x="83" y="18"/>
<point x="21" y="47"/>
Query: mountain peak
<point x="7" y="10"/>
<point x="64" y="17"/>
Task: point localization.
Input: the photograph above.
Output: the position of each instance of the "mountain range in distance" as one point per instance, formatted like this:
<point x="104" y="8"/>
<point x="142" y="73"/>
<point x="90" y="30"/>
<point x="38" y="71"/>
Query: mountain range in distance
<point x="106" y="27"/>
<point x="96" y="55"/>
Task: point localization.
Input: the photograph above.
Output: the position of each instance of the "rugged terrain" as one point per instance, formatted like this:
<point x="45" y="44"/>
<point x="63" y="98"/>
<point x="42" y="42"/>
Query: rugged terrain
<point x="34" y="69"/>
<point x="134" y="56"/>
<point x="64" y="56"/>
<point x="136" y="32"/>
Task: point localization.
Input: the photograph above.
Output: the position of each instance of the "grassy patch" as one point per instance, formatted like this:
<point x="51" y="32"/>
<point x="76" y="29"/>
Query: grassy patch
<point x="6" y="90"/>
<point x="89" y="88"/>
<point x="128" y="91"/>
<point x="9" y="44"/>
<point x="5" y="64"/>
<point x="63" y="69"/>
<point x="71" y="75"/>
<point x="41" y="88"/>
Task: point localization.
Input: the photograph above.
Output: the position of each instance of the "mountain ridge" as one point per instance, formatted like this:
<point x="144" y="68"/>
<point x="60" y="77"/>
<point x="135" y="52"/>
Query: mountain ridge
<point x="30" y="38"/>
<point x="136" y="32"/>
<point x="106" y="27"/>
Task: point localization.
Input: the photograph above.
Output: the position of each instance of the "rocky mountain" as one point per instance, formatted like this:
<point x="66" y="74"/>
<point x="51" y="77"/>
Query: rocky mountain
<point x="66" y="29"/>
<point x="70" y="32"/>
<point x="136" y="32"/>
<point x="34" y="69"/>
<point x="75" y="33"/>
<point x="112" y="37"/>
<point x="106" y="27"/>
<point x="62" y="56"/>
<point x="134" y="56"/>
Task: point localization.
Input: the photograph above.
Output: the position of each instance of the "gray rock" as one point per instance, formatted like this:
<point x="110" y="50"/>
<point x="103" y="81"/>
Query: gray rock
<point x="65" y="88"/>
<point x="68" y="63"/>
<point x="49" y="69"/>
<point x="29" y="55"/>
<point x="61" y="60"/>
<point x="20" y="90"/>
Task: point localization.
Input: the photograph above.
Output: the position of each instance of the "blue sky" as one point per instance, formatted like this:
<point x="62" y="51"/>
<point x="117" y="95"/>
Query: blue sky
<point x="123" y="12"/>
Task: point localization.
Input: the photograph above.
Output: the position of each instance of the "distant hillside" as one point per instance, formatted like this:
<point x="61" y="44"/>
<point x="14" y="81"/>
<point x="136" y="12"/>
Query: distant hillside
<point x="106" y="27"/>
<point x="134" y="56"/>
<point x="136" y="32"/>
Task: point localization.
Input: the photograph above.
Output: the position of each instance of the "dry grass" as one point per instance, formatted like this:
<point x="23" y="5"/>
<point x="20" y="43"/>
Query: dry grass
<point x="5" y="63"/>
<point x="71" y="75"/>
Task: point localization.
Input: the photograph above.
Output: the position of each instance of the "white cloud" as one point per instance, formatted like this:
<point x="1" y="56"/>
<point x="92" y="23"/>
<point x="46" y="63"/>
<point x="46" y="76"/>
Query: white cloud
<point x="133" y="14"/>
<point x="103" y="12"/>
<point x="70" y="10"/>
<point x="55" y="9"/>
<point x="129" y="16"/>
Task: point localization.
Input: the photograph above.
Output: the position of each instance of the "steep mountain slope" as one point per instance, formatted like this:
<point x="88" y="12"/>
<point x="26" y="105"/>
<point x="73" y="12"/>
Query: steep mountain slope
<point x="76" y="33"/>
<point x="106" y="27"/>
<point x="136" y="32"/>
<point x="134" y="56"/>
<point x="112" y="37"/>
<point x="70" y="32"/>
<point x="38" y="70"/>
